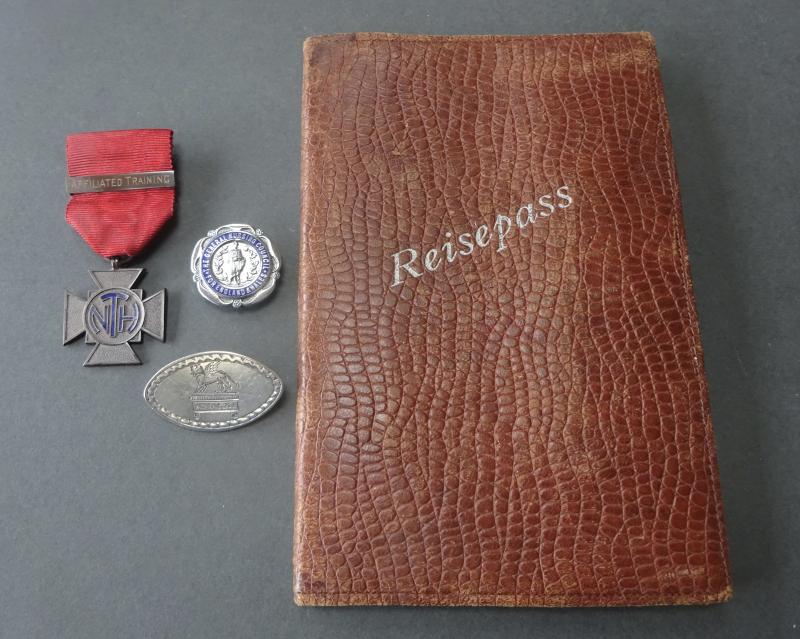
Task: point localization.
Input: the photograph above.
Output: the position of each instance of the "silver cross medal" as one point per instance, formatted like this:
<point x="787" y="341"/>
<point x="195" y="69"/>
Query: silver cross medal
<point x="113" y="316"/>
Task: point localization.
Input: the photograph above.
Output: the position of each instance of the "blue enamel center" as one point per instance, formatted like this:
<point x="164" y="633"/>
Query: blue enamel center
<point x="228" y="290"/>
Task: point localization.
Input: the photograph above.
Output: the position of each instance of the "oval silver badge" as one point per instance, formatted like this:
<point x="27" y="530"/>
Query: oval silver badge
<point x="213" y="391"/>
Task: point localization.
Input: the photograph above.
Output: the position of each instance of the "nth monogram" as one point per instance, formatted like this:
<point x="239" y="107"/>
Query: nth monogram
<point x="117" y="317"/>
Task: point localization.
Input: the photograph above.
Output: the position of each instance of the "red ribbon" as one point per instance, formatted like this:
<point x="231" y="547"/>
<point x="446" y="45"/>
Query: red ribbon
<point x="119" y="223"/>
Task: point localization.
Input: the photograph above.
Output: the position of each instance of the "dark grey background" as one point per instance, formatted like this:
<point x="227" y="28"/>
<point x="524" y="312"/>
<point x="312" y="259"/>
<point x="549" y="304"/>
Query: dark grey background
<point x="114" y="523"/>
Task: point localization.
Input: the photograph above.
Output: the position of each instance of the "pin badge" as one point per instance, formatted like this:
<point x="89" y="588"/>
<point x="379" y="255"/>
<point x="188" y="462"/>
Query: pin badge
<point x="235" y="265"/>
<point x="213" y="391"/>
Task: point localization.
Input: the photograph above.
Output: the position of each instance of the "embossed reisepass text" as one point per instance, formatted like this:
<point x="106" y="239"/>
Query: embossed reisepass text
<point x="411" y="262"/>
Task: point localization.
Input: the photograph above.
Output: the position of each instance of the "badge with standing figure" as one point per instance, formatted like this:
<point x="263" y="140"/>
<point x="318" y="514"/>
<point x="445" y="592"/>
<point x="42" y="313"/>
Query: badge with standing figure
<point x="235" y="265"/>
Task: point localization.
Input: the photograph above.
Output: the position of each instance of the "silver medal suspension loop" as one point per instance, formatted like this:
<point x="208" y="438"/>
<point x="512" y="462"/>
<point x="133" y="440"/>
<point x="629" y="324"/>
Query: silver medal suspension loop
<point x="118" y="260"/>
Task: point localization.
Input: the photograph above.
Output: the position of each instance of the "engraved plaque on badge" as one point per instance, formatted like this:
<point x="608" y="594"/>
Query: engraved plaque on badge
<point x="120" y="182"/>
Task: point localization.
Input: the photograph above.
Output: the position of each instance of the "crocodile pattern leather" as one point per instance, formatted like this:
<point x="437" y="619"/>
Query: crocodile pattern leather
<point x="517" y="427"/>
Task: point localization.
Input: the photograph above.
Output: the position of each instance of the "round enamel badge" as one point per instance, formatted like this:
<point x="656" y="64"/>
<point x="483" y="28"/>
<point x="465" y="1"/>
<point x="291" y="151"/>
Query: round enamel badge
<point x="235" y="265"/>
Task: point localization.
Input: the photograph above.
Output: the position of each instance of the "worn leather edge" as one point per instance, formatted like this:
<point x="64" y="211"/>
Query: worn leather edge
<point x="465" y="599"/>
<point x="367" y="36"/>
<point x="694" y="323"/>
<point x="504" y="601"/>
<point x="301" y="338"/>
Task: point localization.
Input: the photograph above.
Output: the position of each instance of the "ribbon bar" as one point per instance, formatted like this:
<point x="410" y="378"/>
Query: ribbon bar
<point x="122" y="188"/>
<point x="120" y="182"/>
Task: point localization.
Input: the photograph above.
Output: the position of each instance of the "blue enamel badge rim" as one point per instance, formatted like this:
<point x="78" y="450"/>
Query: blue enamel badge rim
<point x="235" y="265"/>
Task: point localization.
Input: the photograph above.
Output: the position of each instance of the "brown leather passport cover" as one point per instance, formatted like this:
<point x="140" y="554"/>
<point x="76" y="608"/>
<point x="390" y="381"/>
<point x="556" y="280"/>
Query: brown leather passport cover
<point x="501" y="394"/>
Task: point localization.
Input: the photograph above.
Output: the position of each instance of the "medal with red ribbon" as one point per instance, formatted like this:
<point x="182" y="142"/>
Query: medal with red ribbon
<point x="122" y="192"/>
